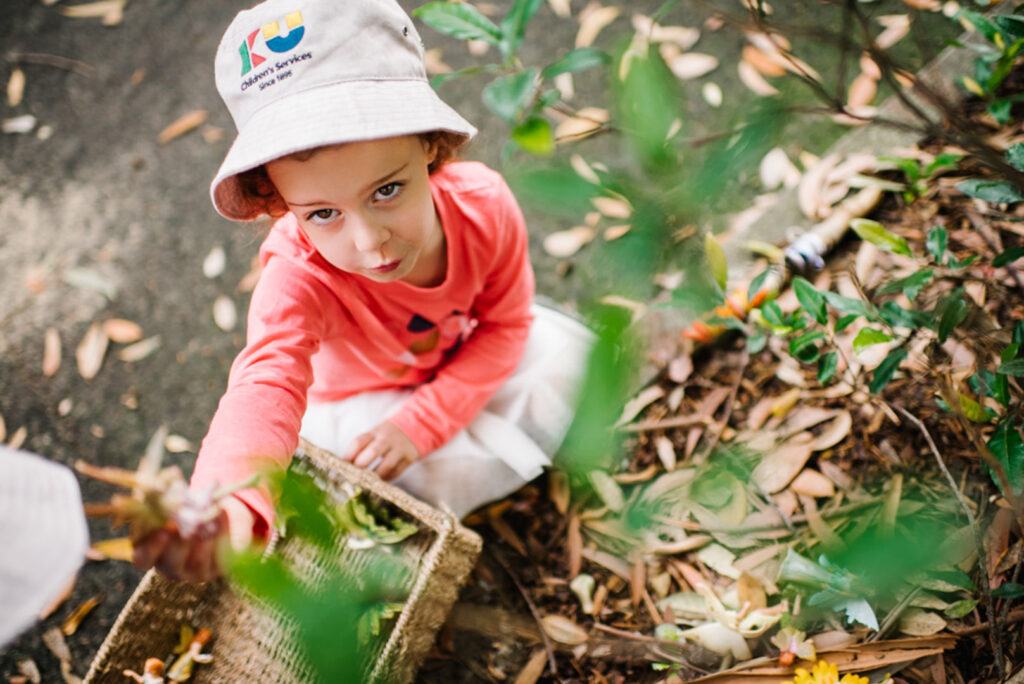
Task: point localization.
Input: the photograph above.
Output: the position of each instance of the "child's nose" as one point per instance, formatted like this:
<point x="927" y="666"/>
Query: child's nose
<point x="368" y="236"/>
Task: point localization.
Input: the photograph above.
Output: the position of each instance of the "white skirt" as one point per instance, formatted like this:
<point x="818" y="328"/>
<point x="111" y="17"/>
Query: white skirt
<point x="505" y="446"/>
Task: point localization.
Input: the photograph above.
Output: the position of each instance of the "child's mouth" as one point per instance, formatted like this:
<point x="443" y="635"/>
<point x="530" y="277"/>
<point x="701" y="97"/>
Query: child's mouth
<point x="388" y="267"/>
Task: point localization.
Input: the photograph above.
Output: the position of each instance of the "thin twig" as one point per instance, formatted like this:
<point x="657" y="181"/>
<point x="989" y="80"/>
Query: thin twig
<point x="80" y="68"/>
<point x="724" y="423"/>
<point x="890" y="619"/>
<point x="654" y="642"/>
<point x="1013" y="617"/>
<point x="979" y="227"/>
<point x="533" y="611"/>
<point x="990" y="608"/>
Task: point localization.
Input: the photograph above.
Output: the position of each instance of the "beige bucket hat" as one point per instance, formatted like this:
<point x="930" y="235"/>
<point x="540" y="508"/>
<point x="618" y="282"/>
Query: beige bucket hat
<point x="297" y="74"/>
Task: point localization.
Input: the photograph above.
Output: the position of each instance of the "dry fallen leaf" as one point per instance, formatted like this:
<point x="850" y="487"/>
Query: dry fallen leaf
<point x="712" y="94"/>
<point x="139" y="350"/>
<point x="615" y="232"/>
<point x="834" y="432"/>
<point x="70" y="624"/>
<point x="30" y="671"/>
<point x="119" y="548"/>
<point x="642" y="400"/>
<point x="812" y="483"/>
<point x="225" y="315"/>
<point x="560" y="8"/>
<point x="583" y="169"/>
<point x="869" y="67"/>
<point x="18" y="438"/>
<point x="215" y="262"/>
<point x="18" y="124"/>
<point x="761" y="61"/>
<point x="54" y="640"/>
<point x="666" y="451"/>
<point x="917" y="622"/>
<point x="862" y="91"/>
<point x="565" y="243"/>
<point x="612" y="207"/>
<point x="586" y="121"/>
<point x="779" y="466"/>
<point x="896" y="27"/>
<point x="183" y="125"/>
<point x="110" y="11"/>
<point x="593" y="18"/>
<point x="776" y="169"/>
<point x="683" y="36"/>
<point x="15" y="87"/>
<point x="750" y="77"/>
<point x="563" y="630"/>
<point x="51" y="352"/>
<point x="688" y="65"/>
<point x="533" y="669"/>
<point x="91" y="350"/>
<point x="122" y="331"/>
<point x="176" y="444"/>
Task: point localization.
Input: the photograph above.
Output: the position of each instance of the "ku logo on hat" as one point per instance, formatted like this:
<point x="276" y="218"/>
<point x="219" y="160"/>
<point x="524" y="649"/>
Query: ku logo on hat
<point x="273" y="40"/>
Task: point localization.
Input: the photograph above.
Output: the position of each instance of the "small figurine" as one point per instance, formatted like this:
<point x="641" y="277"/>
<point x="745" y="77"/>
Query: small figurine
<point x="152" y="672"/>
<point x="181" y="668"/>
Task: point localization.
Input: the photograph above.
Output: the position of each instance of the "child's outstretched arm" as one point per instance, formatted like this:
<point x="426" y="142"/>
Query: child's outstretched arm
<point x="462" y="387"/>
<point x="256" y="426"/>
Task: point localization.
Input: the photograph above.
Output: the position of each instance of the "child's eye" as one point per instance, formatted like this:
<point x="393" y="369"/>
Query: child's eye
<point x="322" y="215"/>
<point x="388" y="191"/>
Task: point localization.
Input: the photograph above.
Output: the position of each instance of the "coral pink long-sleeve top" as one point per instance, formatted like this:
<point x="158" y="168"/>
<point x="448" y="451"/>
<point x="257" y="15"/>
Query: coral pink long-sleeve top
<point x="320" y="334"/>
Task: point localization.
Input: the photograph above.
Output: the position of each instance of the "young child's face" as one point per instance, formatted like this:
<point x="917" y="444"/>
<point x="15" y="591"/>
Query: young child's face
<point x="366" y="207"/>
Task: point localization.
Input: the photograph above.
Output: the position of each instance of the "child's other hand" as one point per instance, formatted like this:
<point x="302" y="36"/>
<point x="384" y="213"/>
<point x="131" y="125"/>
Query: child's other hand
<point x="389" y="444"/>
<point x="195" y="559"/>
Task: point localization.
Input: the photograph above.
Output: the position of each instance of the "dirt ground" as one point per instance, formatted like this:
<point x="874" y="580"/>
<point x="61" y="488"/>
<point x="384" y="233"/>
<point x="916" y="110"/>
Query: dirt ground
<point x="99" y="220"/>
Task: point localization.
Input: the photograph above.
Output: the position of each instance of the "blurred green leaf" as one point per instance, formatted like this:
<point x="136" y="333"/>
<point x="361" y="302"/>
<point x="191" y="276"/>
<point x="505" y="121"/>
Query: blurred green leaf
<point x="848" y="305"/>
<point x="952" y="311"/>
<point x="715" y="256"/>
<point x="459" y="20"/>
<point x="990" y="191"/>
<point x="1010" y="24"/>
<point x="507" y="96"/>
<point x="999" y="109"/>
<point x="440" y="79"/>
<point x="980" y="22"/>
<point x="961" y="608"/>
<point x="1008" y="448"/>
<point x="513" y="26"/>
<point x="556" y="189"/>
<point x="936" y="243"/>
<point x="827" y="365"/>
<point x="647" y="103"/>
<point x="947" y="160"/>
<point x="1014" y="368"/>
<point x="843" y="322"/>
<point x="534" y="135"/>
<point x="876" y="234"/>
<point x="867" y="337"/>
<point x="911" y="285"/>
<point x="1010" y="590"/>
<point x="579" y="59"/>
<point x="803" y="346"/>
<point x="810" y="299"/>
<point x="885" y="370"/>
<point x="1008" y="257"/>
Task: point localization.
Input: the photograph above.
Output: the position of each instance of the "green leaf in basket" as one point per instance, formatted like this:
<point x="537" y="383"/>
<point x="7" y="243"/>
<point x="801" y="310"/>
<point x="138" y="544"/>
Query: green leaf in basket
<point x="371" y="619"/>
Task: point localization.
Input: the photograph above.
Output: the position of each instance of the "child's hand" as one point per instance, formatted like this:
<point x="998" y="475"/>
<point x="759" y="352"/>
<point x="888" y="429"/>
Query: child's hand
<point x="387" y="443"/>
<point x="195" y="559"/>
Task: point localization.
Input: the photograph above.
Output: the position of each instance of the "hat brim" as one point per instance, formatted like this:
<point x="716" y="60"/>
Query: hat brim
<point x="343" y="112"/>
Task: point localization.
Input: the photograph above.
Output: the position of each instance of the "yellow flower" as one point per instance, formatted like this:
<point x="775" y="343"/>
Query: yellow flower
<point x="825" y="673"/>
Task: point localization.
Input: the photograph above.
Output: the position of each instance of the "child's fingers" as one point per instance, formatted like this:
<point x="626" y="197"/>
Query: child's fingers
<point x="172" y="561"/>
<point x="392" y="465"/>
<point x="376" y="449"/>
<point x="358" y="445"/>
<point x="199" y="566"/>
<point x="148" y="549"/>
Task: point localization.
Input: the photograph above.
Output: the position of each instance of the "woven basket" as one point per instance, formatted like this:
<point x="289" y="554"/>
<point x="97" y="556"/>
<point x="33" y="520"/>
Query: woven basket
<point x="251" y="642"/>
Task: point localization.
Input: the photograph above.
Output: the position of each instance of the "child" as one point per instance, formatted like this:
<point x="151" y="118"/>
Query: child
<point x="393" y="322"/>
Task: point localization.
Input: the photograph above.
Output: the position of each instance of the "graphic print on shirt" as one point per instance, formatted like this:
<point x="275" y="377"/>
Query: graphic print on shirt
<point x="449" y="334"/>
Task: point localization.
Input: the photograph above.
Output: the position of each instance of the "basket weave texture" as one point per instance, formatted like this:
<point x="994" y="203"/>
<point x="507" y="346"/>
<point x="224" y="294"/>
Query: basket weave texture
<point x="251" y="642"/>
